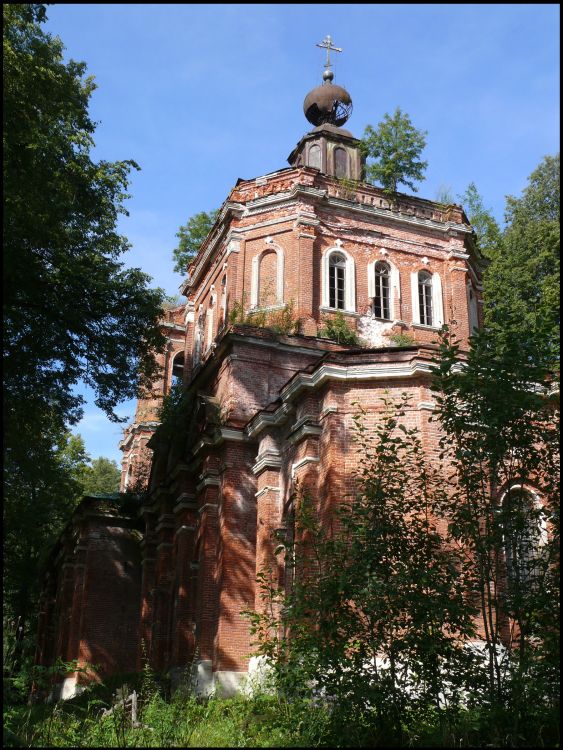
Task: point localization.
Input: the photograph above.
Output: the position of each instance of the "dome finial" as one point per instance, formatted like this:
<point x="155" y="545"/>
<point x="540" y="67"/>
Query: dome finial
<point x="327" y="44"/>
<point x="328" y="104"/>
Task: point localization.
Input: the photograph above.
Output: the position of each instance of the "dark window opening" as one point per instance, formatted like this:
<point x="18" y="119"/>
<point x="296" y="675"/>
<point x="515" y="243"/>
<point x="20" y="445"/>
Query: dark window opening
<point x="382" y="297"/>
<point x="337" y="281"/>
<point x="178" y="369"/>
<point x="521" y="527"/>
<point x="425" y="297"/>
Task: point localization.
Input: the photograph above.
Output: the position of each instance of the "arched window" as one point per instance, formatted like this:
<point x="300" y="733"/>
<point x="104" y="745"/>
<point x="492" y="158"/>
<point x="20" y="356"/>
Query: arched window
<point x="425" y="306"/>
<point x="340" y="162"/>
<point x="382" y="291"/>
<point x="337" y="281"/>
<point x="523" y="530"/>
<point x="267" y="277"/>
<point x="224" y="310"/>
<point x="177" y="369"/>
<point x="473" y="314"/>
<point x="210" y="321"/>
<point x="198" y="340"/>
<point x="315" y="157"/>
<point x="338" y="288"/>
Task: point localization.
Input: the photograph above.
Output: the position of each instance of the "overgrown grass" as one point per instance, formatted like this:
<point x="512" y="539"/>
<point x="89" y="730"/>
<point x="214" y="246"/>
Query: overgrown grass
<point x="182" y="721"/>
<point x="261" y="721"/>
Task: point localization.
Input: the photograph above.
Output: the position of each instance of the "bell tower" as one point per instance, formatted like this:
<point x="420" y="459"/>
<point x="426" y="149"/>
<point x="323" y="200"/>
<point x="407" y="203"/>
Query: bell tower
<point x="328" y="147"/>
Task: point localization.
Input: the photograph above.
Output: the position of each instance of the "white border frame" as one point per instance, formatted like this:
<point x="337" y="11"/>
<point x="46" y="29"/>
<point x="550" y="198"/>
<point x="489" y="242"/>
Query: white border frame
<point x="349" y="280"/>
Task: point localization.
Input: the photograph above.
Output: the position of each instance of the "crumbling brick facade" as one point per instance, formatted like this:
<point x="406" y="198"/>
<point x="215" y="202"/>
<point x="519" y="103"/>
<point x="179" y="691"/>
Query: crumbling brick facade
<point x="264" y="411"/>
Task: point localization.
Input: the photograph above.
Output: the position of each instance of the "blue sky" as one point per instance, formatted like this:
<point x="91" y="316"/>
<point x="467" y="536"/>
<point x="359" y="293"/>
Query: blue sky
<point x="200" y="95"/>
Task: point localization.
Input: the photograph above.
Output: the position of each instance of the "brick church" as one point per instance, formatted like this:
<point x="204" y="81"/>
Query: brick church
<point x="167" y="574"/>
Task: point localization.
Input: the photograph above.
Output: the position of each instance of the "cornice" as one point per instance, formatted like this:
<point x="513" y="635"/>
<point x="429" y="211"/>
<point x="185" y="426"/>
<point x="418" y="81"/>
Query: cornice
<point x="185" y="502"/>
<point x="444" y="227"/>
<point x="267" y="488"/>
<point x="230" y="207"/>
<point x="289" y="198"/>
<point x="326" y="372"/>
<point x="270" y="459"/>
<point x="271" y="419"/>
<point x="208" y="481"/>
<point x="303" y="462"/>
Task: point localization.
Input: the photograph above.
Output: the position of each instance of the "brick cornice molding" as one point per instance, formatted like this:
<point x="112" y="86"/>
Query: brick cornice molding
<point x="303" y="462"/>
<point x="265" y="489"/>
<point x="304" y="431"/>
<point x="264" y="419"/>
<point x="328" y="371"/>
<point x="185" y="501"/>
<point x="209" y="481"/>
<point x="269" y="459"/>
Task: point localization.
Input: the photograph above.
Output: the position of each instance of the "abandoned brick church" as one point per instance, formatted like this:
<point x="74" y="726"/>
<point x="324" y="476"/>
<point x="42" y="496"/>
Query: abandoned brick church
<point x="170" y="574"/>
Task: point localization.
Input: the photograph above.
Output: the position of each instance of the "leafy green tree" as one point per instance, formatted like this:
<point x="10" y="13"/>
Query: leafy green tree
<point x="395" y="146"/>
<point x="102" y="477"/>
<point x="72" y="312"/>
<point x="487" y="231"/>
<point x="191" y="235"/>
<point x="376" y="613"/>
<point x="521" y="285"/>
<point x="37" y="505"/>
<point x="500" y="448"/>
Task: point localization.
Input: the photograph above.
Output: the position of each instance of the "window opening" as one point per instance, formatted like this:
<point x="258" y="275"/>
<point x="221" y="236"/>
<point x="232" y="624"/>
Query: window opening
<point x="381" y="300"/>
<point x="315" y="157"/>
<point x="522" y="537"/>
<point x="425" y="297"/>
<point x="178" y="369"/>
<point x="336" y="281"/>
<point x="340" y="162"/>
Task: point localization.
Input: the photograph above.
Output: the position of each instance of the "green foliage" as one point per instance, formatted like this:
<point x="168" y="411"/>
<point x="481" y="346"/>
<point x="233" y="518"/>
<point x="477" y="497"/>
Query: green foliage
<point x="283" y="320"/>
<point x="72" y="312"/>
<point x="102" y="477"/>
<point x="181" y="721"/>
<point x="376" y="610"/>
<point x="521" y="285"/>
<point x="337" y="329"/>
<point x="401" y="339"/>
<point x="396" y="146"/>
<point x="191" y="236"/>
<point x="485" y="226"/>
<point x="500" y="430"/>
<point x="347" y="188"/>
<point x="37" y="505"/>
<point x="444" y="196"/>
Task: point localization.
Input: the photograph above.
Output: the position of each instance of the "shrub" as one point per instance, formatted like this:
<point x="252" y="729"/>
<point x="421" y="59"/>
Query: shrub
<point x="337" y="329"/>
<point x="401" y="339"/>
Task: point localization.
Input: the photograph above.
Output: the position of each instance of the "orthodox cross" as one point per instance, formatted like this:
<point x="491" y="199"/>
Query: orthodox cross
<point x="328" y="45"/>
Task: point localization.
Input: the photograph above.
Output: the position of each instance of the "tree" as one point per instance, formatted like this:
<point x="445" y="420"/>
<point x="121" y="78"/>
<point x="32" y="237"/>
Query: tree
<point x="191" y="236"/>
<point x="102" y="477"/>
<point x="72" y="312"/>
<point x="485" y="226"/>
<point x="500" y="448"/>
<point x="37" y="505"/>
<point x="396" y="145"/>
<point x="521" y="285"/>
<point x="375" y="613"/>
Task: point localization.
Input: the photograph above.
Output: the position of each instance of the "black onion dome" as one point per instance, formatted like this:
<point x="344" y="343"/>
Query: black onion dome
<point x="328" y="103"/>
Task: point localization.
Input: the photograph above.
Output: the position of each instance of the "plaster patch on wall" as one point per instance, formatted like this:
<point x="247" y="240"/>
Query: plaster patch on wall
<point x="375" y="332"/>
